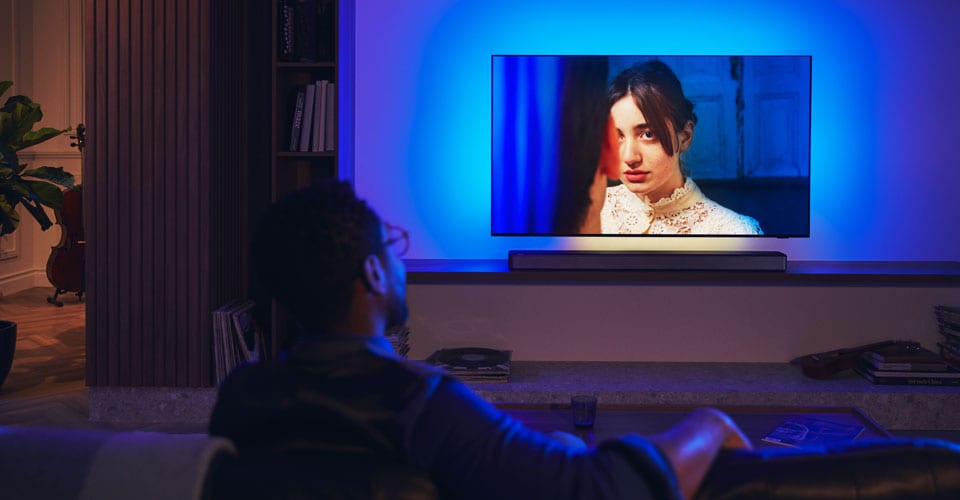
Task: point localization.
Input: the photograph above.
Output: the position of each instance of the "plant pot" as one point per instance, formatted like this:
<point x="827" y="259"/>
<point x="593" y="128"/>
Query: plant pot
<point x="8" y="344"/>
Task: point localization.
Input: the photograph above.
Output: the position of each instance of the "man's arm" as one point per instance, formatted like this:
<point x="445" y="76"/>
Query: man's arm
<point x="692" y="444"/>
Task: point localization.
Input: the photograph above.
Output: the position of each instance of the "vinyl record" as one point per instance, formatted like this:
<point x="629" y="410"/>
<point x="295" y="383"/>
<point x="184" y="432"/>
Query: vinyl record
<point x="472" y="357"/>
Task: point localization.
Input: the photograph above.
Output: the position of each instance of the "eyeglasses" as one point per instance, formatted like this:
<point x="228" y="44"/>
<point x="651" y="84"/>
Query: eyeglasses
<point x="399" y="236"/>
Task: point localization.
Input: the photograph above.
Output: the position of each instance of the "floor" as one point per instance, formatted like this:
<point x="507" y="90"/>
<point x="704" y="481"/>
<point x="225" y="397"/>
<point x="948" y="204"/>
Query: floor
<point x="46" y="387"/>
<point x="49" y="356"/>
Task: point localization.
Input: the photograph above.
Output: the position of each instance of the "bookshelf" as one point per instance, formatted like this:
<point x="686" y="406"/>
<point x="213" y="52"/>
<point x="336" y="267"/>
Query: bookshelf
<point x="292" y="70"/>
<point x="293" y="169"/>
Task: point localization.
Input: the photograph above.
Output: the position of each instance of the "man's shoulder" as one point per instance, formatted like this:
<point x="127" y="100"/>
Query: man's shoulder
<point x="274" y="374"/>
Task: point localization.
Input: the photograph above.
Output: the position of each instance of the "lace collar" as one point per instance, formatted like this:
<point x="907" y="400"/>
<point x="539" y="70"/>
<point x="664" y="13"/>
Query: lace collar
<point x="682" y="197"/>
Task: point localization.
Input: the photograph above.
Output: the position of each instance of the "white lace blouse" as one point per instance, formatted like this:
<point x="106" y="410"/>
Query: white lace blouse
<point x="686" y="211"/>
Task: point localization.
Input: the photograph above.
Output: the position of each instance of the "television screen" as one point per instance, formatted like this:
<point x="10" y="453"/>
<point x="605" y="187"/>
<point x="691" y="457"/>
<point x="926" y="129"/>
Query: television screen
<point x="651" y="145"/>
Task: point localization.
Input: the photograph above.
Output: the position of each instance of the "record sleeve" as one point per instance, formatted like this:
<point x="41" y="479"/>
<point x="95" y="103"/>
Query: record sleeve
<point x="472" y="358"/>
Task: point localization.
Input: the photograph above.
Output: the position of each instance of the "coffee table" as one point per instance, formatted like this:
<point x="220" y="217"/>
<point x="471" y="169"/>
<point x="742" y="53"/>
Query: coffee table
<point x="617" y="420"/>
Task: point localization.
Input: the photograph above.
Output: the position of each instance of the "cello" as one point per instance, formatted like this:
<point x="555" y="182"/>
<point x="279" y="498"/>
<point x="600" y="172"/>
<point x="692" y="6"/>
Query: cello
<point x="65" y="266"/>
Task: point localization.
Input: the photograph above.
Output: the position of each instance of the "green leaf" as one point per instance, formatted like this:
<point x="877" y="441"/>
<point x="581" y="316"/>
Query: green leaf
<point x="56" y="175"/>
<point x="15" y="186"/>
<point x="8" y="157"/>
<point x="46" y="193"/>
<point x="34" y="137"/>
<point x="4" y="86"/>
<point x="6" y="126"/>
<point x="38" y="213"/>
<point x="24" y="114"/>
<point x="9" y="218"/>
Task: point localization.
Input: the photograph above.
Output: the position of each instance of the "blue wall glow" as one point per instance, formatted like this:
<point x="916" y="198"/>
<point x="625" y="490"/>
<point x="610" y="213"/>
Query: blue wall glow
<point x="884" y="98"/>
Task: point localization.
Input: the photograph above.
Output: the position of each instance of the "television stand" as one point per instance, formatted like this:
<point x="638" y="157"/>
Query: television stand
<point x="564" y="260"/>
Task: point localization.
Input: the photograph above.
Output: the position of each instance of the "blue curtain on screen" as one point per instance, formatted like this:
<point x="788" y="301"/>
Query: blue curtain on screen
<point x="526" y="96"/>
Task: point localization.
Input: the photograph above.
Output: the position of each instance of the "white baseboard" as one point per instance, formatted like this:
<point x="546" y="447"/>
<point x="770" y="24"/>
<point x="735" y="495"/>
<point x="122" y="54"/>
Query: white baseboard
<point x="22" y="280"/>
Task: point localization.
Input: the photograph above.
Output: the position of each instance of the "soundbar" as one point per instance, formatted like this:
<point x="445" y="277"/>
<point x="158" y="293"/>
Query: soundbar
<point x="564" y="260"/>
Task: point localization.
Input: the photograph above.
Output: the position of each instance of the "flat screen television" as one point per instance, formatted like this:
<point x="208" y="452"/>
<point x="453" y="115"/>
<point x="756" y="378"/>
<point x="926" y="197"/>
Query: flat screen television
<point x="736" y="163"/>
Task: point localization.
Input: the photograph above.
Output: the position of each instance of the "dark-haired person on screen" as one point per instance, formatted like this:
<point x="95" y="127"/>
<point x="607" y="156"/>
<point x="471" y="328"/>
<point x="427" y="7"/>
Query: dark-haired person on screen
<point x="329" y="259"/>
<point x="655" y="123"/>
<point x="587" y="145"/>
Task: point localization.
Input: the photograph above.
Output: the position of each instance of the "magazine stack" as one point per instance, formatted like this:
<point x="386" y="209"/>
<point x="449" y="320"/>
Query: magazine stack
<point x="948" y="319"/>
<point x="907" y="364"/>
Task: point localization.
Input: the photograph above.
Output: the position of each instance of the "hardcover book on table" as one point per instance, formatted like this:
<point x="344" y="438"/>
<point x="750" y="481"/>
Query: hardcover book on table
<point x="909" y="378"/>
<point x="907" y="353"/>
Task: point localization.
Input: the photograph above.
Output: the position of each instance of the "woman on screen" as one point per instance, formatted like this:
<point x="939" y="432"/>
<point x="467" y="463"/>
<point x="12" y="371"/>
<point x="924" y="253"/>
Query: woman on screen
<point x="654" y="123"/>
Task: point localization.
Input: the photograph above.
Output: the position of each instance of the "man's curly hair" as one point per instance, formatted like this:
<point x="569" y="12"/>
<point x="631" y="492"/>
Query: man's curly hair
<point x="309" y="248"/>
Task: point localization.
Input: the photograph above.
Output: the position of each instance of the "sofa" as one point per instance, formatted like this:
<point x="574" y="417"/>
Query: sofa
<point x="43" y="463"/>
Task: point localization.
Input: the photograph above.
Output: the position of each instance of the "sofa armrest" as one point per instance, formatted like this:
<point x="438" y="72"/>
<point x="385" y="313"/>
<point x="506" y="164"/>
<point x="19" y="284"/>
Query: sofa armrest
<point x="870" y="469"/>
<point x="40" y="463"/>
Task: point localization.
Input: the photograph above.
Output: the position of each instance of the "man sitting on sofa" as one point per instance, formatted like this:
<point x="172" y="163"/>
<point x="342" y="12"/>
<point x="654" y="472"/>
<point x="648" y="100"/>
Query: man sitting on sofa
<point x="335" y="266"/>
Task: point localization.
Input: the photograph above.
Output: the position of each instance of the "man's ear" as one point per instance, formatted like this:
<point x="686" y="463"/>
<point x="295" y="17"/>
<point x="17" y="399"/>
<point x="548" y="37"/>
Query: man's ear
<point x="373" y="275"/>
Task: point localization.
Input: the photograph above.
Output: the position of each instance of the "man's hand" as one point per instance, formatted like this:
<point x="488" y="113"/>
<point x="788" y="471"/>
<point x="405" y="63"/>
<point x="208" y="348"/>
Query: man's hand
<point x="693" y="443"/>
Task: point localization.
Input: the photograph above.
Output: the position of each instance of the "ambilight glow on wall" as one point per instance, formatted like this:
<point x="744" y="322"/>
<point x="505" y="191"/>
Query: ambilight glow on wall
<point x="883" y="100"/>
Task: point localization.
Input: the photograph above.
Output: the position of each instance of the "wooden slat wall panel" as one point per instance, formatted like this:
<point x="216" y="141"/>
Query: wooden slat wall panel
<point x="135" y="218"/>
<point x="165" y="185"/>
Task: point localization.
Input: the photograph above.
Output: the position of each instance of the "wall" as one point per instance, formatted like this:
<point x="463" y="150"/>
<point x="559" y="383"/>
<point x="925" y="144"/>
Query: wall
<point x="884" y="99"/>
<point x="41" y="51"/>
<point x="883" y="176"/>
<point x="637" y="322"/>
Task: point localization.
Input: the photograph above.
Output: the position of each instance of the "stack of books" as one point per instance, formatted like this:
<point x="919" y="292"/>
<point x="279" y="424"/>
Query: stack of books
<point x="907" y="364"/>
<point x="398" y="339"/>
<point x="312" y="125"/>
<point x="474" y="364"/>
<point x="948" y="319"/>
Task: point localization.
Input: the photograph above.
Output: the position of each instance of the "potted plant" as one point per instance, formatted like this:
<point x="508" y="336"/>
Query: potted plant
<point x="30" y="188"/>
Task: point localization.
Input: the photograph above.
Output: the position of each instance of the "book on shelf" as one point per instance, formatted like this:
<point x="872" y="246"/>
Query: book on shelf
<point x="305" y="30"/>
<point x="296" y="121"/>
<point x="799" y="431"/>
<point x="305" y="130"/>
<point x="319" y="116"/>
<point x="285" y="31"/>
<point x="330" y="139"/>
<point x="326" y="32"/>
